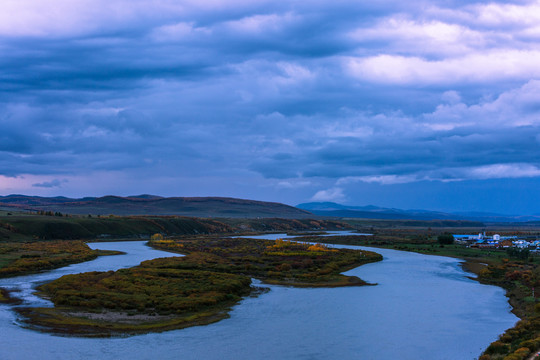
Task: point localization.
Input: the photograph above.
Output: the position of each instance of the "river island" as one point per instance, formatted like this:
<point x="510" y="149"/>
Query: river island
<point x="196" y="289"/>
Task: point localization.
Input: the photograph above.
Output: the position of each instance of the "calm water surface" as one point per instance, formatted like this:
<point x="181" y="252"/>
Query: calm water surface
<point x="423" y="307"/>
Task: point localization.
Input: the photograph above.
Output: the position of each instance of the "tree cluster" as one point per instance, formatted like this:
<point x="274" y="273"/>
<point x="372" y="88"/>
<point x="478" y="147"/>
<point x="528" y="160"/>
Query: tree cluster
<point x="445" y="239"/>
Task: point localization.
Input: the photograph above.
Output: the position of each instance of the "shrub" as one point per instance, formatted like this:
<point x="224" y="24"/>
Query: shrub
<point x="497" y="347"/>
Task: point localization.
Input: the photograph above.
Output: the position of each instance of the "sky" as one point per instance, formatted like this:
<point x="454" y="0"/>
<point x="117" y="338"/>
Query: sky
<point x="413" y="105"/>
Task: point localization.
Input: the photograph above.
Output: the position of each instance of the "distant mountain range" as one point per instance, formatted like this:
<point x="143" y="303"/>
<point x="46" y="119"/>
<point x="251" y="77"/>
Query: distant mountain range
<point x="155" y="205"/>
<point x="222" y="207"/>
<point x="374" y="212"/>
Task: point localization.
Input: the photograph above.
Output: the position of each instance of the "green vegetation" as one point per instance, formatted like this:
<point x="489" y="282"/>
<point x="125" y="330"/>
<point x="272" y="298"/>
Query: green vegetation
<point x="31" y="227"/>
<point x="517" y="253"/>
<point x="3" y="296"/>
<point x="445" y="239"/>
<point x="137" y="300"/>
<point x="36" y="227"/>
<point x="148" y="288"/>
<point x="286" y="225"/>
<point x="276" y="262"/>
<point x="519" y="278"/>
<point x="23" y="258"/>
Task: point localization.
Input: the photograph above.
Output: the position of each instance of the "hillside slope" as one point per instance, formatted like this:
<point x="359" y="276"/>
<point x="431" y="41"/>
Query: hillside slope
<point x="154" y="205"/>
<point x="27" y="227"/>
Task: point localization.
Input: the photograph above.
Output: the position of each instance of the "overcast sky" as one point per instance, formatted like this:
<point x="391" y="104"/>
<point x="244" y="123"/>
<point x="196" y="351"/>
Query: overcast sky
<point x="422" y="104"/>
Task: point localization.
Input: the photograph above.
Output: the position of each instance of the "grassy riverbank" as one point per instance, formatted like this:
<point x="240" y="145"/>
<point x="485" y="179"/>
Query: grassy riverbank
<point x="177" y="292"/>
<point x="30" y="257"/>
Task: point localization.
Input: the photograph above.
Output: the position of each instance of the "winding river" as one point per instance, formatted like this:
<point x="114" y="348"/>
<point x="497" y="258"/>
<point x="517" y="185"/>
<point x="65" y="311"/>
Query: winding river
<point x="424" y="307"/>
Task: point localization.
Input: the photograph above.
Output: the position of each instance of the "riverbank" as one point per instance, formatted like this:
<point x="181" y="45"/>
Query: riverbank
<point x="84" y="323"/>
<point x="17" y="259"/>
<point x="6" y="298"/>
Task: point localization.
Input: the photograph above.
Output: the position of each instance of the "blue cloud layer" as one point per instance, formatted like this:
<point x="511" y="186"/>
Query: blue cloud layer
<point x="269" y="98"/>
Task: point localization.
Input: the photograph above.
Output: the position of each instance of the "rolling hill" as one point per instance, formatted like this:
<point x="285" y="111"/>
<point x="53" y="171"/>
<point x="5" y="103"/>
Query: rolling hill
<point x="155" y="205"/>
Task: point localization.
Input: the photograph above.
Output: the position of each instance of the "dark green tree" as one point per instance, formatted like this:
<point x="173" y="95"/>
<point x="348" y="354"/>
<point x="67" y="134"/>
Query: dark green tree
<point x="445" y="239"/>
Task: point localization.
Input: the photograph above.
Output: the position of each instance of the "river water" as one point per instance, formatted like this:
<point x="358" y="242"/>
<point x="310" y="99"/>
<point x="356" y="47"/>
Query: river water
<point x="424" y="307"/>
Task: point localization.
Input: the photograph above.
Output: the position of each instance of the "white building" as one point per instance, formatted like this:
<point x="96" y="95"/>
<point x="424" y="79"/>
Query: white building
<point x="521" y="244"/>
